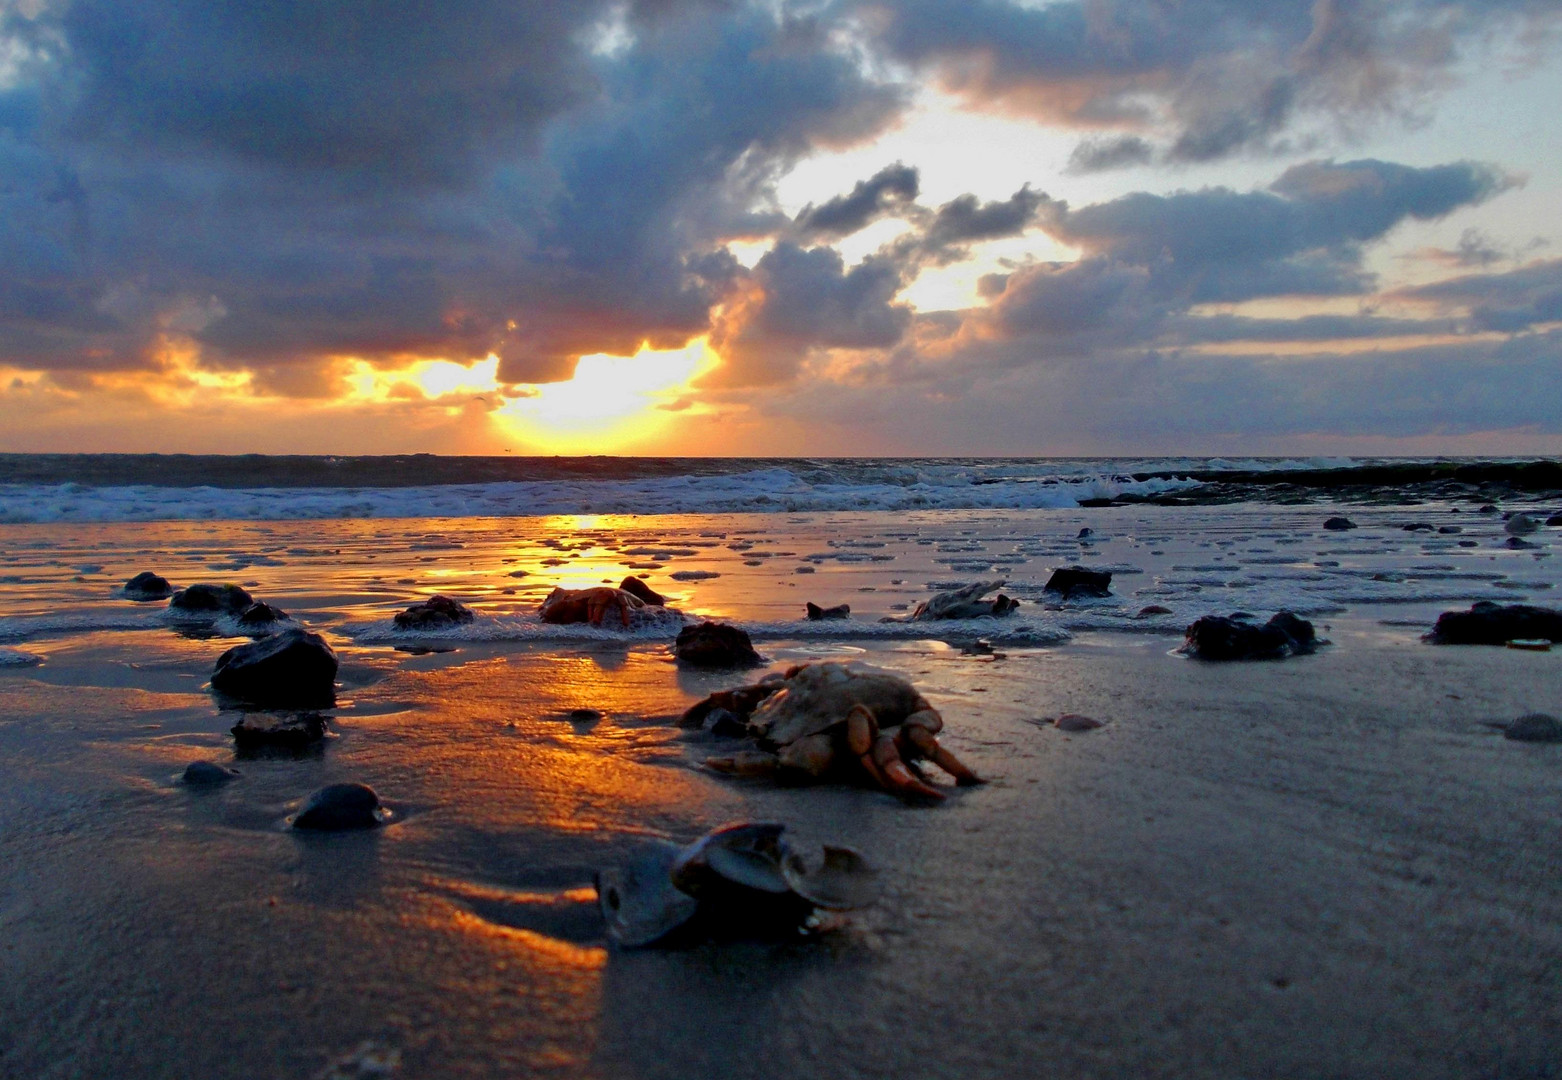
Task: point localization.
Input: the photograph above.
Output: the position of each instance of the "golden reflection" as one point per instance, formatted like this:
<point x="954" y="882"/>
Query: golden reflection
<point x="586" y="957"/>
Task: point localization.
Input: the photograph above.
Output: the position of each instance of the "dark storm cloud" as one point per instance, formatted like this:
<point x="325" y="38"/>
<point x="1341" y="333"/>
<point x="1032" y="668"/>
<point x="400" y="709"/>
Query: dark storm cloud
<point x="867" y="201"/>
<point x="1212" y="77"/>
<point x="340" y="179"/>
<point x="807" y="299"/>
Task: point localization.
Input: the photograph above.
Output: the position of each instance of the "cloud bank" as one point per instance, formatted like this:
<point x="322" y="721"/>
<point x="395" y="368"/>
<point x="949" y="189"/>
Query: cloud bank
<point x="200" y="200"/>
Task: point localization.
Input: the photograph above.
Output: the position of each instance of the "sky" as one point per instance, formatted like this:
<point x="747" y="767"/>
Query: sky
<point x="842" y="227"/>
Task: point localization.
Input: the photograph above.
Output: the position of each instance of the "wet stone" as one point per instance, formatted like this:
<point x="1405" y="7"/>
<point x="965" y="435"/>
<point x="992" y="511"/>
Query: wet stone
<point x="1338" y="524"/>
<point x="1534" y="727"/>
<point x="262" y="617"/>
<point x="712" y="644"/>
<point x="294" y="667"/>
<point x="337" y="807"/>
<point x="1073" y="582"/>
<point x="1235" y="637"/>
<point x="816" y="613"/>
<point x="436" y="613"/>
<point x="211" y="600"/>
<point x="1076" y="722"/>
<point x="148" y="586"/>
<point x="1487" y="623"/>
<point x="207" y="774"/>
<point x="291" y="731"/>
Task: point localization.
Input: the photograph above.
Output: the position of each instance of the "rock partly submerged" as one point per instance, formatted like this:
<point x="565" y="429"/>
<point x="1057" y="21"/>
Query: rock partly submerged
<point x="438" y="612"/>
<point x="1076" y="582"/>
<point x="212" y="600"/>
<point x="815" y="613"/>
<point x="1489" y="623"/>
<point x="261" y="618"/>
<point x="294" y="667"/>
<point x="207" y="774"/>
<point x="148" y="586"/>
<point x="289" y="732"/>
<point x="1237" y="637"/>
<point x="715" y="645"/>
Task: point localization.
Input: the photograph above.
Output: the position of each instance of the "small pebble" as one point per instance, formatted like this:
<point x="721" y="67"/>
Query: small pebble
<point x="1076" y="722"/>
<point x="1534" y="727"/>
<point x="205" y="773"/>
<point x="341" y="806"/>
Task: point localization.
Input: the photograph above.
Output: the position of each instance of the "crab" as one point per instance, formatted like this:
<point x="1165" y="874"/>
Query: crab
<point x="588" y="605"/>
<point x="826" y="717"/>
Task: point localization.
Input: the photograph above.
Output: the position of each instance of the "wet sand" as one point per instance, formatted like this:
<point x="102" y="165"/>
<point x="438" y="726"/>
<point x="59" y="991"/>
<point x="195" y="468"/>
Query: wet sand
<point x="1326" y="866"/>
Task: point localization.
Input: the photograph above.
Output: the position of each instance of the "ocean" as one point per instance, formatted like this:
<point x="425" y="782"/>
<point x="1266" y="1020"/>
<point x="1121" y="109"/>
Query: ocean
<point x="1238" y="856"/>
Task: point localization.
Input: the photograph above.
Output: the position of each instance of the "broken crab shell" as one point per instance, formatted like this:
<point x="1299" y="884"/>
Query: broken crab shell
<point x="842" y="880"/>
<point x="745" y="853"/>
<point x="741" y="879"/>
<point x="639" y="902"/>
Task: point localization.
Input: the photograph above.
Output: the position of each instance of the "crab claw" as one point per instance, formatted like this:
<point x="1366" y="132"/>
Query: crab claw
<point x="881" y="759"/>
<point x="923" y="743"/>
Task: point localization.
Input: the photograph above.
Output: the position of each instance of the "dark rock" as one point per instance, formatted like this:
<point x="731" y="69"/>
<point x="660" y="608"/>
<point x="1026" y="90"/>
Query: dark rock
<point x="435" y="613"/>
<point x="1487" y="623"/>
<point x="1075" y="581"/>
<point x="210" y="600"/>
<point x="815" y="612"/>
<point x="1554" y="519"/>
<point x="713" y="644"/>
<point x="1468" y="544"/>
<point x="1084" y="533"/>
<point x="584" y="716"/>
<point x="294" y="731"/>
<point x="636" y="587"/>
<point x="148" y="586"/>
<point x="1154" y="609"/>
<point x="1518" y="543"/>
<point x="1488" y="508"/>
<point x="294" y="667"/>
<point x="1417" y="526"/>
<point x="341" y="806"/>
<point x="261" y="617"/>
<point x="1220" y="637"/>
<point x="1339" y="524"/>
<point x="208" y="773"/>
<point x="1534" y="727"/>
<point x="1450" y="529"/>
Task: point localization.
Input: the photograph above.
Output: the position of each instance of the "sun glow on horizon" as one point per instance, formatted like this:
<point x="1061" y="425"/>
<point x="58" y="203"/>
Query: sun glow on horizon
<point x="611" y="402"/>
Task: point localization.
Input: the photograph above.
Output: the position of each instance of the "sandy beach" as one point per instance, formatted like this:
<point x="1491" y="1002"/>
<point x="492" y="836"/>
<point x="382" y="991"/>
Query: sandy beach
<point x="1331" y="865"/>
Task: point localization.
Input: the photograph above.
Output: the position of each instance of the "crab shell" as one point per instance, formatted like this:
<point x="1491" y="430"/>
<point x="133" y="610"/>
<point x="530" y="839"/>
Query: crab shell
<point x="816" y="697"/>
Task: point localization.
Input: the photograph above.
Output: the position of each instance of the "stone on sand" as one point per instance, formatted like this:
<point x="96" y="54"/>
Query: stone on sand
<point x="294" y="667"/>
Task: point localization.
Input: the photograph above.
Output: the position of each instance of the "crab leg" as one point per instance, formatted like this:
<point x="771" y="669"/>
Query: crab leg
<point x="927" y="745"/>
<point x="880" y="758"/>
